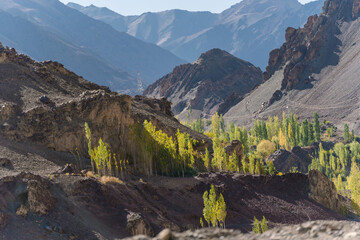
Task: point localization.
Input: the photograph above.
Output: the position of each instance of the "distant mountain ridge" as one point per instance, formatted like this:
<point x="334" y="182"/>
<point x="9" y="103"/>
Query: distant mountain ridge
<point x="214" y="83"/>
<point x="249" y="30"/>
<point x="86" y="46"/>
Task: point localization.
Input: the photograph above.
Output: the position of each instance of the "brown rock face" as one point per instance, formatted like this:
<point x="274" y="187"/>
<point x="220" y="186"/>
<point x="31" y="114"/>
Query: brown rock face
<point x="207" y="83"/>
<point x="309" y="49"/>
<point x="323" y="191"/>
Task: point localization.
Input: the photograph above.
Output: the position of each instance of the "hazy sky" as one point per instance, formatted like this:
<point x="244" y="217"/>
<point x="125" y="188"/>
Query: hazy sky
<point x="135" y="7"/>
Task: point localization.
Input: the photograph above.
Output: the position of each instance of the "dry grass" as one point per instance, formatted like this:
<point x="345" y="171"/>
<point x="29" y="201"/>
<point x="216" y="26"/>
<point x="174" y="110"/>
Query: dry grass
<point x="107" y="179"/>
<point x="90" y="174"/>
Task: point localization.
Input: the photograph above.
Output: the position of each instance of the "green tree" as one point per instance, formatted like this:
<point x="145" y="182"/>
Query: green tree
<point x="233" y="164"/>
<point x="346" y="133"/>
<point x="317" y="127"/>
<point x="206" y="159"/>
<point x="305" y="133"/>
<point x="354" y="186"/>
<point x="215" y="124"/>
<point x="256" y="226"/>
<point x="264" y="225"/>
<point x="214" y="211"/>
<point x="271" y="168"/>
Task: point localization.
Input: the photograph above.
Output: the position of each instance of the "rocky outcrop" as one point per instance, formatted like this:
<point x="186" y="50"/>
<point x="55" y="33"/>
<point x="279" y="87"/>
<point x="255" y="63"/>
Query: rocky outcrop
<point x="235" y="147"/>
<point x="136" y="225"/>
<point x="324" y="191"/>
<point x="309" y="49"/>
<point x="285" y="161"/>
<point x="206" y="84"/>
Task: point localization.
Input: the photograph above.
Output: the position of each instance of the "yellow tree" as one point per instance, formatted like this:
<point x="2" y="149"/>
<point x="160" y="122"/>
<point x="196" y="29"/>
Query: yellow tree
<point x="354" y="186"/>
<point x="265" y="148"/>
<point x="282" y="140"/>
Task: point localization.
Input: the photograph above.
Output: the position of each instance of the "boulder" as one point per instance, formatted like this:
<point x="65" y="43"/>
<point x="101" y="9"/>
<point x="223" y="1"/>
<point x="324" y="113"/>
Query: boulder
<point x="136" y="225"/>
<point x="323" y="191"/>
<point x="22" y="211"/>
<point x="40" y="199"/>
<point x="5" y="163"/>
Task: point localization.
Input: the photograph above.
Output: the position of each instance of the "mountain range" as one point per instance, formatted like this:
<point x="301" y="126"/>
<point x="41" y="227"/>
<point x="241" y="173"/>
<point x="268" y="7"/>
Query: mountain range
<point x="249" y="30"/>
<point x="49" y="30"/>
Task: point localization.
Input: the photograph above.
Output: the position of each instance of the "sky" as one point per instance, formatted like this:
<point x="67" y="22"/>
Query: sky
<point x="136" y="7"/>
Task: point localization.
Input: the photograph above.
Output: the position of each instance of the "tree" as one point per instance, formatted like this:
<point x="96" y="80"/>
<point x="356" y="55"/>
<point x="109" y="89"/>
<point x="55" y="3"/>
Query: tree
<point x="215" y="124"/>
<point x="233" y="164"/>
<point x="245" y="165"/>
<point x="101" y="157"/>
<point x="265" y="148"/>
<point x="304" y="132"/>
<point x="354" y="186"/>
<point x="214" y="211"/>
<point x="271" y="167"/>
<point x="346" y="133"/>
<point x="221" y="211"/>
<point x="311" y="133"/>
<point x="282" y="140"/>
<point x="256" y="226"/>
<point x="317" y="127"/>
<point x="206" y="159"/>
<point x="264" y="225"/>
<point x="252" y="162"/>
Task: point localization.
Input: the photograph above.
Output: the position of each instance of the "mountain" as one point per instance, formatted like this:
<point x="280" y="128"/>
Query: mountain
<point x="215" y="82"/>
<point x="249" y="30"/>
<point x="111" y="52"/>
<point x="315" y="70"/>
<point x="43" y="45"/>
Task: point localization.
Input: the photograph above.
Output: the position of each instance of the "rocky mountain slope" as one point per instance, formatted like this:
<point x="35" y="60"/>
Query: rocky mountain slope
<point x="87" y="46"/>
<point x="214" y="83"/>
<point x="248" y="30"/>
<point x="315" y="70"/>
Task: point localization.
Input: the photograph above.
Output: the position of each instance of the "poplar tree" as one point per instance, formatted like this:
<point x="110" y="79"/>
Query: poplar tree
<point x="256" y="226"/>
<point x="214" y="211"/>
<point x="264" y="225"/>
<point x="354" y="186"/>
<point x="317" y="127"/>
<point x="346" y="133"/>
